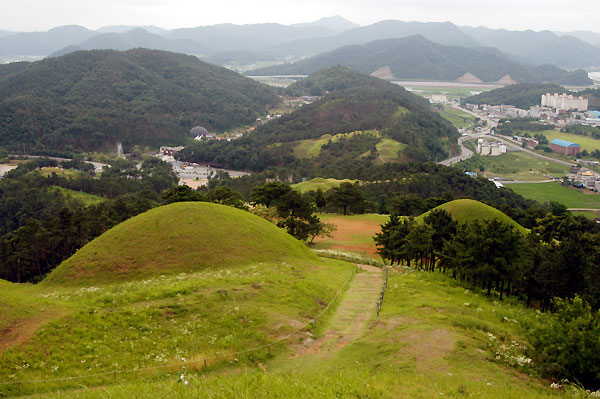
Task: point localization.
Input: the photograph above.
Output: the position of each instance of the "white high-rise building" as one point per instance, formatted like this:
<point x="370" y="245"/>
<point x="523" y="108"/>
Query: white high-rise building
<point x="564" y="102"/>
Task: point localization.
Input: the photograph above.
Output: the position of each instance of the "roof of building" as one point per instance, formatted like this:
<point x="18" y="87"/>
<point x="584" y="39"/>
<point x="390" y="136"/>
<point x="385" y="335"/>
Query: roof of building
<point x="198" y="131"/>
<point x="564" y="143"/>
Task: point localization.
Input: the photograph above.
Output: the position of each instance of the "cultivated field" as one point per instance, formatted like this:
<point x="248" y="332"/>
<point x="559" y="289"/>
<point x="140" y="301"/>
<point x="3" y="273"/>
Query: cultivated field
<point x="353" y="233"/>
<point x="458" y="118"/>
<point x="546" y="192"/>
<point x="515" y="166"/>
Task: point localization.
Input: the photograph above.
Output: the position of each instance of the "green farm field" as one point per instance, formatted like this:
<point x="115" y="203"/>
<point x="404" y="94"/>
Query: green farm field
<point x="458" y="118"/>
<point x="515" y="166"/>
<point x="568" y="196"/>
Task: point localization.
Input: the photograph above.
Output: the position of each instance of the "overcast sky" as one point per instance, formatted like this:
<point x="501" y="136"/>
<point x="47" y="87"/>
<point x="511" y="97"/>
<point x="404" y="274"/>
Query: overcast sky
<point x="34" y="15"/>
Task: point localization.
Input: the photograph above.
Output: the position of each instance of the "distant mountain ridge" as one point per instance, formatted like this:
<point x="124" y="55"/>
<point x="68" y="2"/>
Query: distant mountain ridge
<point x="415" y="57"/>
<point x="293" y="42"/>
<point x="135" y="38"/>
<point x="539" y="47"/>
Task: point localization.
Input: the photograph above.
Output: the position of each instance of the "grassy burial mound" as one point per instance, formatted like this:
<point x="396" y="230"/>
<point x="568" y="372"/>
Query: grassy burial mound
<point x="178" y="284"/>
<point x="181" y="237"/>
<point x="468" y="210"/>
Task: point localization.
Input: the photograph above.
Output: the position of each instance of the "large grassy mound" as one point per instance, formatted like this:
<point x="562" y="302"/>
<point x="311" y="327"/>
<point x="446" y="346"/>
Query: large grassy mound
<point x="181" y="237"/>
<point x="467" y="210"/>
<point x="320" y="183"/>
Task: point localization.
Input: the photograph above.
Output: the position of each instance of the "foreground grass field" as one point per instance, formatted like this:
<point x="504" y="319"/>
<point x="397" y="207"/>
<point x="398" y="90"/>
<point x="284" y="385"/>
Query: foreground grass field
<point x="546" y="192"/>
<point x="433" y="338"/>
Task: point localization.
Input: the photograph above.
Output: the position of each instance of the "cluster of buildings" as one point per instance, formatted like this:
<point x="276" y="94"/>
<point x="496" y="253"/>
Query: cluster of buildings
<point x="490" y="149"/>
<point x="564" y="102"/>
<point x="584" y="178"/>
<point x="553" y="116"/>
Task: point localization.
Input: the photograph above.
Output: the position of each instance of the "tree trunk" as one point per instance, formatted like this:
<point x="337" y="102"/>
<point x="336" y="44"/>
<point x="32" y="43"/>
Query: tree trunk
<point x="501" y="288"/>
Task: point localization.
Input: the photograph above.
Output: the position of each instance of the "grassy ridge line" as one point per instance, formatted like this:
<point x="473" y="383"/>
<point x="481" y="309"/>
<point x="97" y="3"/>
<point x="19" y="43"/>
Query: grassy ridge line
<point x="181" y="237"/>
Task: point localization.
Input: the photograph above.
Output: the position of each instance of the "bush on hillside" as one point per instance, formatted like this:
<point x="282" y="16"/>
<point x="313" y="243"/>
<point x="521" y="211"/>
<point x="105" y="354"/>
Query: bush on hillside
<point x="567" y="343"/>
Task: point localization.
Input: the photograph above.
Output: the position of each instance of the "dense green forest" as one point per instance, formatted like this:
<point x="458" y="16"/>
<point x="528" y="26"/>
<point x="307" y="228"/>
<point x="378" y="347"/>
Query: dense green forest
<point x="91" y="100"/>
<point x="355" y="103"/>
<point x="521" y="95"/>
<point x="415" y="57"/>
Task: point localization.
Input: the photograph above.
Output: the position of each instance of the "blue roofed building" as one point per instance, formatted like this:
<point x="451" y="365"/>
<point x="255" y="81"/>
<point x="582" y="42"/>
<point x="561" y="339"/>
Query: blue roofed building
<point x="565" y="147"/>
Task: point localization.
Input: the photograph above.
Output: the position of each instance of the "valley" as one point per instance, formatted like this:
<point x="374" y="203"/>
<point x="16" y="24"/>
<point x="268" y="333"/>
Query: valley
<point x="329" y="209"/>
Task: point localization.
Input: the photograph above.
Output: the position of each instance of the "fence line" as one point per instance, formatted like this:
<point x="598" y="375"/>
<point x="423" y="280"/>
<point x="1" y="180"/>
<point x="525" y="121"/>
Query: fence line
<point x="380" y="301"/>
<point x="115" y="372"/>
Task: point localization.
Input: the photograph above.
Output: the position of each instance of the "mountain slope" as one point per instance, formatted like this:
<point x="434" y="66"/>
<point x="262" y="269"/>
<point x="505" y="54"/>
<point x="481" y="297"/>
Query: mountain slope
<point x="135" y="38"/>
<point x="335" y="23"/>
<point x="415" y="57"/>
<point x="90" y="100"/>
<point x="521" y="96"/>
<point x="539" y="47"/>
<point x="359" y="110"/>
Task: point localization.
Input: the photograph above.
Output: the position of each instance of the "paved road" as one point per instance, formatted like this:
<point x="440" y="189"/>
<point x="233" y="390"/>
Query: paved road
<point x="584" y="209"/>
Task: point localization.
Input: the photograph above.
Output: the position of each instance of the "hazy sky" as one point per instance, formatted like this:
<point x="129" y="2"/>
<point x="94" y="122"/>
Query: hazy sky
<point x="32" y="15"/>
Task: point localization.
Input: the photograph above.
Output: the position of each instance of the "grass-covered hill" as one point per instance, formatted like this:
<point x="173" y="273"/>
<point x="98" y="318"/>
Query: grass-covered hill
<point x="192" y="281"/>
<point x="520" y="95"/>
<point x="468" y="211"/>
<point x="415" y="57"/>
<point x="181" y="237"/>
<point x="92" y="99"/>
<point x="366" y="110"/>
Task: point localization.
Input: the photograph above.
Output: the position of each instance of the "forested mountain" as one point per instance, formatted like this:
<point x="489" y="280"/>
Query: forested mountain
<point x="585" y="35"/>
<point x="539" y="47"/>
<point x="415" y="57"/>
<point x="360" y="110"/>
<point x="135" y="38"/>
<point x="92" y="99"/>
<point x="521" y="95"/>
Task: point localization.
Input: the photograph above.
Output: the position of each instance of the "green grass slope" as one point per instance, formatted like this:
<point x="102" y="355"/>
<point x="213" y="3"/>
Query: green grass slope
<point x="467" y="210"/>
<point x="568" y="196"/>
<point x="319" y="183"/>
<point x="181" y="237"/>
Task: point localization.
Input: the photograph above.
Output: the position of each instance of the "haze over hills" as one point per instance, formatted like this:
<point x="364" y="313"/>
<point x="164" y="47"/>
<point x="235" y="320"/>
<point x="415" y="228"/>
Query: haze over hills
<point x="440" y="32"/>
<point x="539" y="47"/>
<point x="93" y="99"/>
<point x="415" y="57"/>
<point x="586" y="36"/>
<point x="136" y="38"/>
<point x="292" y="42"/>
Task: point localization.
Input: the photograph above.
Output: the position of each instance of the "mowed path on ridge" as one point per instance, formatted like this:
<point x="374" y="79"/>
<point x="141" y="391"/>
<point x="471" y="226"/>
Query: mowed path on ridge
<point x="350" y="320"/>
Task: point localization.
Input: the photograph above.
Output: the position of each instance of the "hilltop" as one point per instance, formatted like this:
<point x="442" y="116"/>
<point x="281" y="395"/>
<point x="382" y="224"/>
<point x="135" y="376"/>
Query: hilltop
<point x="90" y="100"/>
<point x="467" y="211"/>
<point x="181" y="237"/>
<point x="415" y="57"/>
<point x="360" y="111"/>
